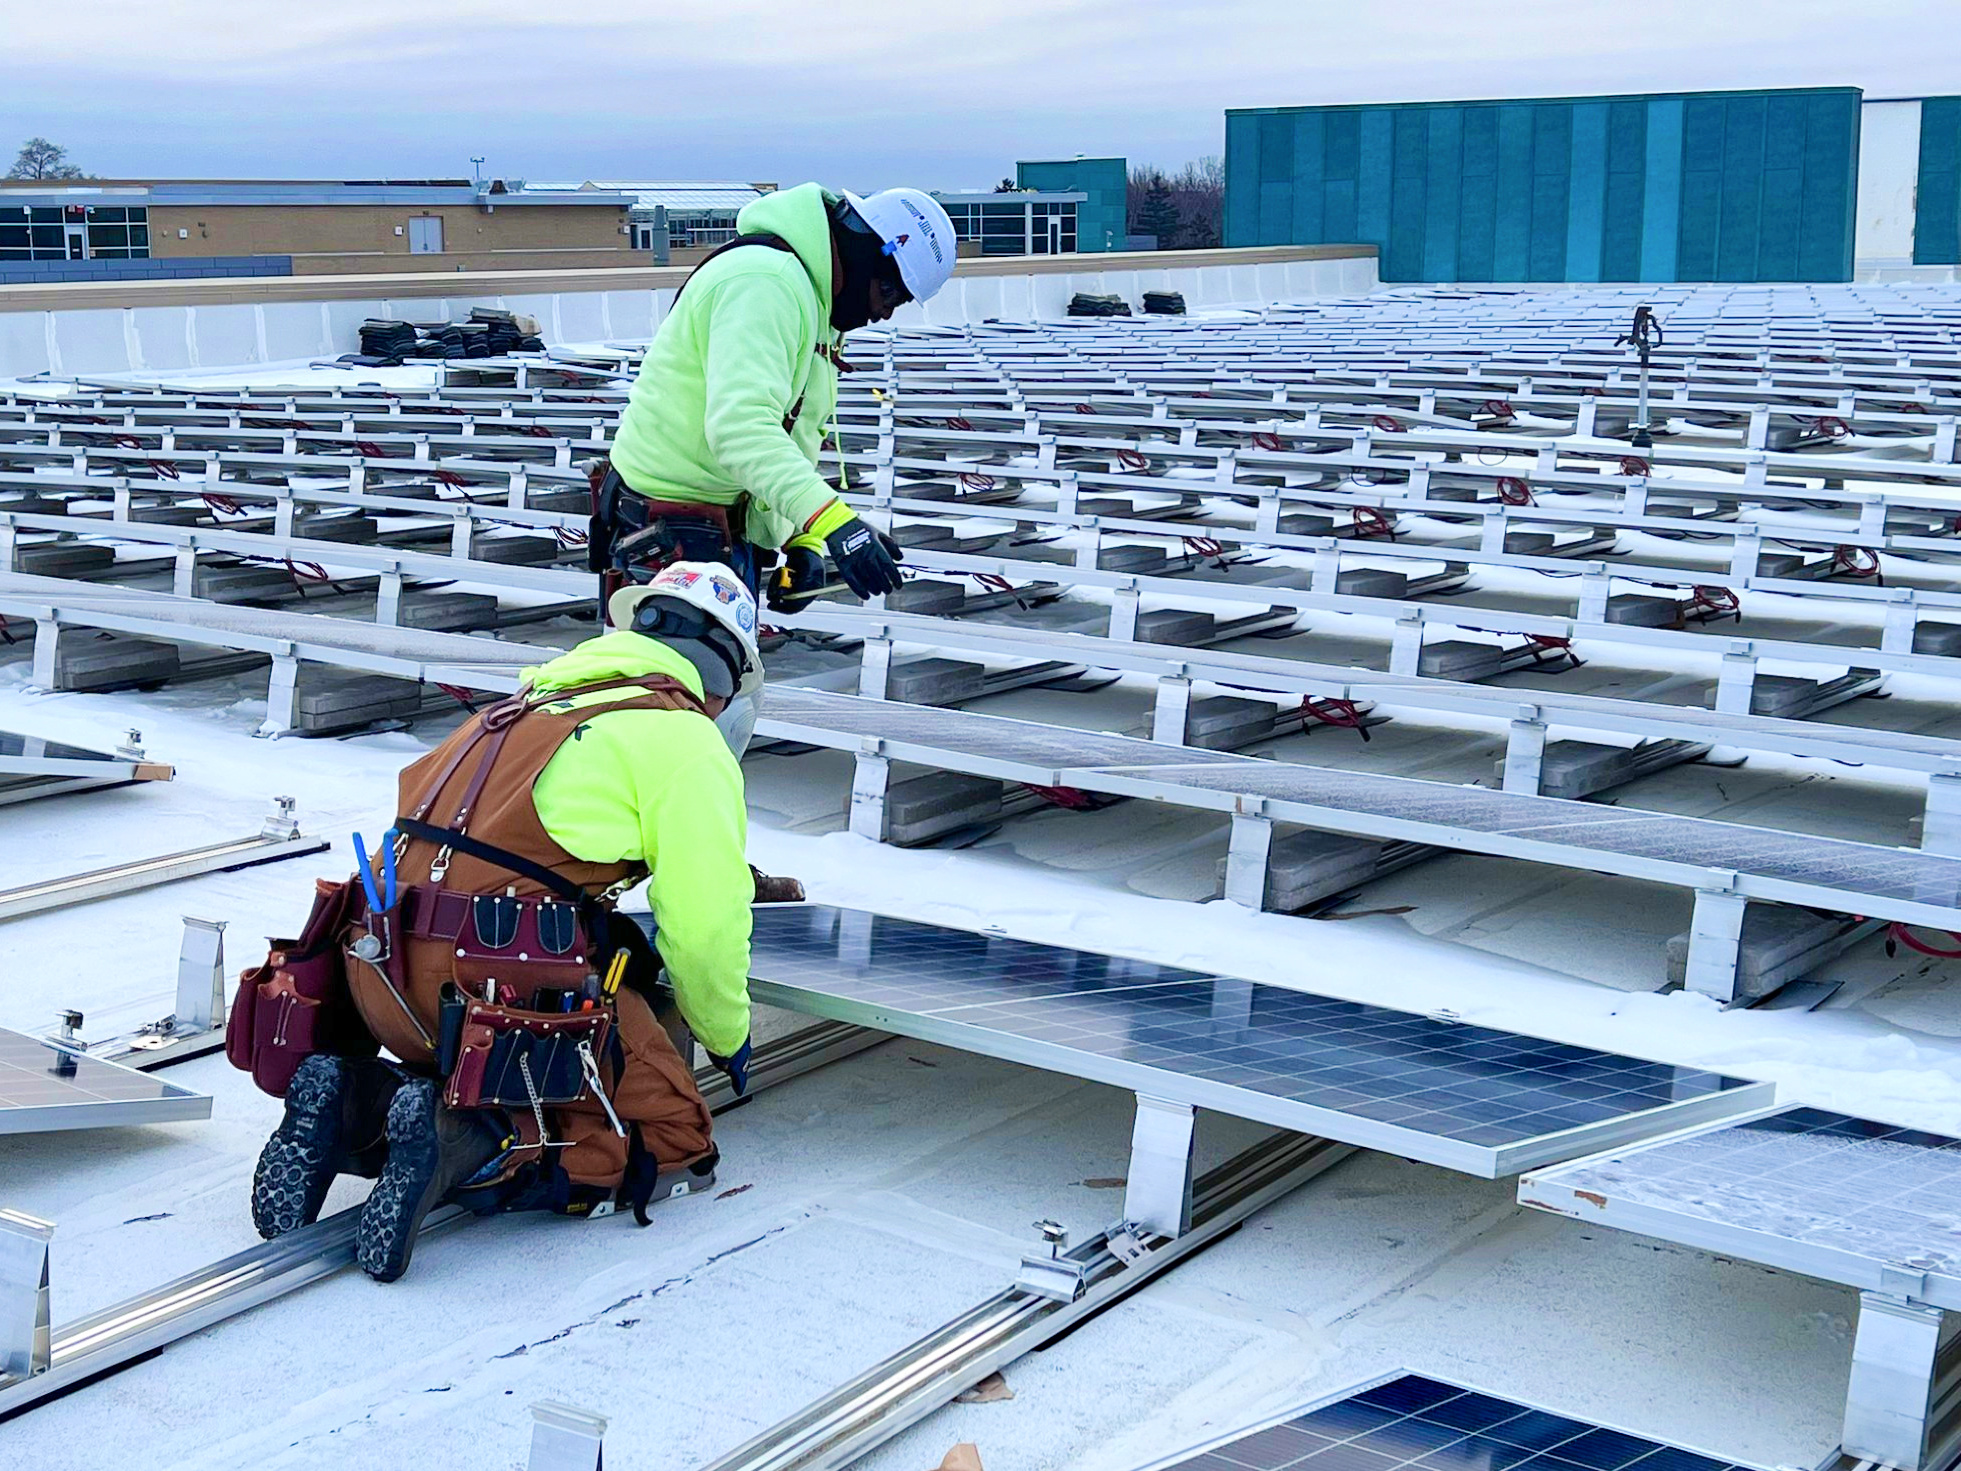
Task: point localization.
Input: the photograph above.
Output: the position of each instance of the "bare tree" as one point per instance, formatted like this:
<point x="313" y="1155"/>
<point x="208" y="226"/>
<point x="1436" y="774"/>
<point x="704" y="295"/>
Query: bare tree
<point x="1191" y="202"/>
<point x="40" y="159"/>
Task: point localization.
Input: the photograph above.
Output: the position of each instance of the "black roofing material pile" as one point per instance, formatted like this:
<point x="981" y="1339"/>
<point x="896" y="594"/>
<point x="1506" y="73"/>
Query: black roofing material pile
<point x="488" y="333"/>
<point x="1164" y="303"/>
<point x="383" y="339"/>
<point x="1088" y="304"/>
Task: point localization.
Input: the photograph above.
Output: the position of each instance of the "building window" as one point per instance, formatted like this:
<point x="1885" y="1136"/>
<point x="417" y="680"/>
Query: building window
<point x="52" y="233"/>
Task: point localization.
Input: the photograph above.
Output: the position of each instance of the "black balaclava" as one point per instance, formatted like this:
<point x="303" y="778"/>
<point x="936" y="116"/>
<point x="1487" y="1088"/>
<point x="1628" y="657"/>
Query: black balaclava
<point x="862" y="254"/>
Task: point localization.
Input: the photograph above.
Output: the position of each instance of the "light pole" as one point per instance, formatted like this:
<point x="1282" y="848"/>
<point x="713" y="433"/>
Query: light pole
<point x="476" y="170"/>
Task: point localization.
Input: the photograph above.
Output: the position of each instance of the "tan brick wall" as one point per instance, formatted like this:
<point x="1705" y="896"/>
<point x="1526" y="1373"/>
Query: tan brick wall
<point x="475" y="260"/>
<point x="326" y="229"/>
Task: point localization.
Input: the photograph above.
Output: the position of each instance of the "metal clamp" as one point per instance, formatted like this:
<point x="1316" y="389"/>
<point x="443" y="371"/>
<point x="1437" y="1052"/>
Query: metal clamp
<point x="1055" y="1276"/>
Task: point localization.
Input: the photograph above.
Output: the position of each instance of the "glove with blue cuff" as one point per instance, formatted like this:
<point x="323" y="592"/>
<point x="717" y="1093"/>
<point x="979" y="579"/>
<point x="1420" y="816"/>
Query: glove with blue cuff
<point x="736" y="1066"/>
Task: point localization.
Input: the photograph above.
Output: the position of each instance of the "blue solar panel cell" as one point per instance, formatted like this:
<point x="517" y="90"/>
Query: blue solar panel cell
<point x="1177" y="1032"/>
<point x="1429" y="1425"/>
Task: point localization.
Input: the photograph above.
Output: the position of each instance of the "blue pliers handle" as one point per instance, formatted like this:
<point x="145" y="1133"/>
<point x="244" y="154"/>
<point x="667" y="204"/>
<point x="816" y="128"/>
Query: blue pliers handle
<point x="386" y="889"/>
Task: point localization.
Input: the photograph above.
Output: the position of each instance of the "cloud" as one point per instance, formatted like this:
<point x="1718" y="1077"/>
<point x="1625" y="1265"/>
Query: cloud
<point x="867" y="91"/>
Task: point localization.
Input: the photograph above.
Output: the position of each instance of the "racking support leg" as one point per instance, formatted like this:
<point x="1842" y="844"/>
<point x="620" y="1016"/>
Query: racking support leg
<point x="1525" y="754"/>
<point x="1940" y="820"/>
<point x="1123" y="615"/>
<point x="1158" y="1189"/>
<point x="566" y="1438"/>
<point x="388" y="601"/>
<point x="1715" y="943"/>
<point x="875" y="668"/>
<point x="1736" y="685"/>
<point x="25" y="1337"/>
<point x="1247" y="851"/>
<point x="47" y="643"/>
<point x="183" y="574"/>
<point x="1327" y="569"/>
<point x="1171" y="713"/>
<point x="870" y="779"/>
<point x="282" y="696"/>
<point x="8" y="537"/>
<point x="1890" y="1402"/>
<point x="1406" y="648"/>
<point x="1902" y="622"/>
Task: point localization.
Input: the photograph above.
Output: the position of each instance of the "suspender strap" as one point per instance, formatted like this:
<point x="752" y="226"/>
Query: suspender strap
<point x="503" y="858"/>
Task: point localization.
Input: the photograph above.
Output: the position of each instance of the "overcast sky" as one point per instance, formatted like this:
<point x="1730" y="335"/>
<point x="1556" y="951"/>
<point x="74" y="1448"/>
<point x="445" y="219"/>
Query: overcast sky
<point x="863" y="94"/>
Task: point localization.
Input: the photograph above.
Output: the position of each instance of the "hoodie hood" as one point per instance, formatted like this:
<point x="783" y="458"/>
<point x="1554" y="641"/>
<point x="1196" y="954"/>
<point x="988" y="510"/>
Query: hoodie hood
<point x="800" y="217"/>
<point x="616" y="655"/>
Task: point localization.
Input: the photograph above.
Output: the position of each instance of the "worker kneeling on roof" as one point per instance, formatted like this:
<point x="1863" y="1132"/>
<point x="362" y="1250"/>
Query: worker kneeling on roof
<point x="716" y="455"/>
<point x="482" y="947"/>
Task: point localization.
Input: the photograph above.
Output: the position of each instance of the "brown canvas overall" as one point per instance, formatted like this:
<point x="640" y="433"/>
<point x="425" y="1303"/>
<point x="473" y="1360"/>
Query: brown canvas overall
<point x="480" y="779"/>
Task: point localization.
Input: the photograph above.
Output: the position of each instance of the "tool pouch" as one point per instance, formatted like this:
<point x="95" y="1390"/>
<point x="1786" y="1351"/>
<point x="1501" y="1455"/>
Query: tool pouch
<point x="511" y="1058"/>
<point x="520" y="943"/>
<point x="296" y="1002"/>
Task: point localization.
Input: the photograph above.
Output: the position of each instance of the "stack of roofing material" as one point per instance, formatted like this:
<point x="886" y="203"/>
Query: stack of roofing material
<point x="439" y="340"/>
<point x="505" y="332"/>
<point x="1164" y="303"/>
<point x="386" y="339"/>
<point x="1088" y="304"/>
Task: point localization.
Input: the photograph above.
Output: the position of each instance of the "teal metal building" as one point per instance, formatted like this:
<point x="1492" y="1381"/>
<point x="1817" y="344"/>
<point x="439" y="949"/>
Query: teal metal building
<point x="1104" y="183"/>
<point x="1937" y="196"/>
<point x="1697" y="186"/>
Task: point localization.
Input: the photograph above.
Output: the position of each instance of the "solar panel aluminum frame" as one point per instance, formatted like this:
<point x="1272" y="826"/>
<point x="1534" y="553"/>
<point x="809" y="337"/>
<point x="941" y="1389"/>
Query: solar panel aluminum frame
<point x="1483" y="1161"/>
<point x="1546" y="1190"/>
<point x="170" y="1105"/>
<point x="1363" y="1386"/>
<point x="1146" y="782"/>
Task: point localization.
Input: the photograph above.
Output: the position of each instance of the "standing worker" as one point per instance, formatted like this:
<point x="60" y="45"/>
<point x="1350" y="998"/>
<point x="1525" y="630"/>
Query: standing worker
<point x="716" y="456"/>
<point x="489" y="959"/>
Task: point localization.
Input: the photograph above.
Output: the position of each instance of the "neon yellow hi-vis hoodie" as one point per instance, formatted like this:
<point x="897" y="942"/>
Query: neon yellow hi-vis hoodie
<point x="659" y="787"/>
<point x="746" y="341"/>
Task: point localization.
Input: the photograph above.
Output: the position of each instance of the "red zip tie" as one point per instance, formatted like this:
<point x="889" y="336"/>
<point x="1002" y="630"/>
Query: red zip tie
<point x="956" y="422"/>
<point x="1634" y="465"/>
<point x="569" y="536"/>
<point x="306" y="571"/>
<point x="223" y="504"/>
<point x="369" y="450"/>
<point x="1831" y="428"/>
<point x="1085" y="408"/>
<point x="1388" y="423"/>
<point x="1514" y="492"/>
<point x="1204" y="546"/>
<point x="463" y="697"/>
<point x="447" y="477"/>
<point x="992" y="581"/>
<point x="1267" y="440"/>
<point x="1133" y="459"/>
<point x="1500" y="408"/>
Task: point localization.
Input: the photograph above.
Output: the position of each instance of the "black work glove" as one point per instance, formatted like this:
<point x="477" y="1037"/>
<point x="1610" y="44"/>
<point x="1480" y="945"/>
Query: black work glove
<point x="867" y="560"/>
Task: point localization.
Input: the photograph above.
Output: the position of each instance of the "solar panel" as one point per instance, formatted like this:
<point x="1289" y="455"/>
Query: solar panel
<point x="1435" y="1426"/>
<point x="1468" y="1098"/>
<point x="1838" y="1198"/>
<point x="44" y="1089"/>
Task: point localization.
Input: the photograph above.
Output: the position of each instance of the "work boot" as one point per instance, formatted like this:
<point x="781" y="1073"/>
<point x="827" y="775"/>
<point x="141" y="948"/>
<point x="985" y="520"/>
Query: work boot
<point x="431" y="1151"/>
<point x="336" y="1123"/>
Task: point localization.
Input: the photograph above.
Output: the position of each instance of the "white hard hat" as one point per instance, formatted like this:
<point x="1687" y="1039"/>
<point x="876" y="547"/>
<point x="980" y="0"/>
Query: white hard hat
<point x="716" y="591"/>
<point x="917" y="234"/>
